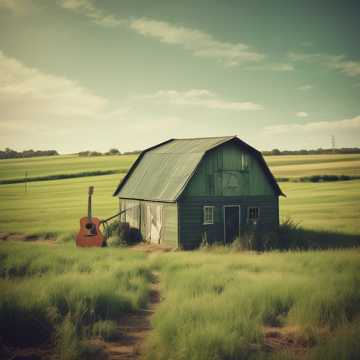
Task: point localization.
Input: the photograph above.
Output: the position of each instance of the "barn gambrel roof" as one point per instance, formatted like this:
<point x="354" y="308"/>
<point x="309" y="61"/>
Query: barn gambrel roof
<point x="162" y="172"/>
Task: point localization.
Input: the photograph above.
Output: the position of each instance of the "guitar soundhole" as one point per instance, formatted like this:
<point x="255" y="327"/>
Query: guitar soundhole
<point x="91" y="229"/>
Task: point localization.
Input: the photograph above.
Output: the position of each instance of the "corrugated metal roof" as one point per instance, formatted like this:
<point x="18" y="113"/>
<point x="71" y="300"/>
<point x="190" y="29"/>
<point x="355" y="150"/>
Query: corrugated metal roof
<point x="161" y="172"/>
<point x="186" y="146"/>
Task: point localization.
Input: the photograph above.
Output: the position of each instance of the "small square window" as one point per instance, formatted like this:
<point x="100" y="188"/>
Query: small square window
<point x="253" y="213"/>
<point x="208" y="215"/>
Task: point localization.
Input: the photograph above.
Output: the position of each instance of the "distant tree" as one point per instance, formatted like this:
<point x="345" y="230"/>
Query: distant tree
<point x="113" y="151"/>
<point x="84" y="153"/>
<point x="95" y="153"/>
<point x="275" y="152"/>
<point x="134" y="152"/>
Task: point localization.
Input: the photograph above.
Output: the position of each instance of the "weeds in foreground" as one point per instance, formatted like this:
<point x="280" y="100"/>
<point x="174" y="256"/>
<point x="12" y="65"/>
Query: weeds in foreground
<point x="217" y="303"/>
<point x="63" y="295"/>
<point x="290" y="236"/>
<point x="106" y="329"/>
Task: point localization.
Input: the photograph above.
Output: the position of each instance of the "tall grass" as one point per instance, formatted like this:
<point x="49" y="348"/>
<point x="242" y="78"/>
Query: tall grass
<point x="218" y="303"/>
<point x="60" y="294"/>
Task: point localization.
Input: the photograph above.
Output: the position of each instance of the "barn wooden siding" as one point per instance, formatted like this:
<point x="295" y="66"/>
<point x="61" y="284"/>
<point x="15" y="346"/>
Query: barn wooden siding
<point x="191" y="225"/>
<point x="226" y="176"/>
<point x="228" y="171"/>
<point x="137" y="216"/>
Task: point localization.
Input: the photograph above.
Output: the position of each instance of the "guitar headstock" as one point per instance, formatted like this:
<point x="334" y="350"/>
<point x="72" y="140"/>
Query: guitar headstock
<point x="91" y="190"/>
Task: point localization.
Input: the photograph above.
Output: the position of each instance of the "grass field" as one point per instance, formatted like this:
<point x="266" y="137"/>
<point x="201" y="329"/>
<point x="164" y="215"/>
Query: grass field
<point x="65" y="164"/>
<point x="61" y="296"/>
<point x="221" y="305"/>
<point x="217" y="303"/>
<point x="323" y="206"/>
<point x="56" y="206"/>
<point x="281" y="166"/>
<point x="307" y="165"/>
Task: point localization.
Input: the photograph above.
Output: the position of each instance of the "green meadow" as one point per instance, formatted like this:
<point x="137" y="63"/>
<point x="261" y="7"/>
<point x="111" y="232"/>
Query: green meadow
<point x="56" y="206"/>
<point x="60" y="296"/>
<point x="307" y="165"/>
<point x="217" y="303"/>
<point x="64" y="164"/>
<point x="220" y="304"/>
<point x="281" y="166"/>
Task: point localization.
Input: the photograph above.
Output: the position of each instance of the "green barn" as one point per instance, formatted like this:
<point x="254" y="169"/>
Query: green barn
<point x="183" y="191"/>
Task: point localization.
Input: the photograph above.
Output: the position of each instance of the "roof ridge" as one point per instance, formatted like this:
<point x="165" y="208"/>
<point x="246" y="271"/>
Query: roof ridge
<point x="208" y="137"/>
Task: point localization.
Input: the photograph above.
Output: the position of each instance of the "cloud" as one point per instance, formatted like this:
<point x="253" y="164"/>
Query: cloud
<point x="336" y="62"/>
<point x="200" y="98"/>
<point x="17" y="7"/>
<point x="302" y="114"/>
<point x="87" y="8"/>
<point x="282" y="67"/>
<point x="305" y="87"/>
<point x="321" y="127"/>
<point x="27" y="94"/>
<point x="278" y="67"/>
<point x="198" y="42"/>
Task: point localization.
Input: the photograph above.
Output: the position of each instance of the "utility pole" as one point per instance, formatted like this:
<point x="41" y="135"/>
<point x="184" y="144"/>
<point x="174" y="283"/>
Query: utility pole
<point x="333" y="143"/>
<point x="26" y="175"/>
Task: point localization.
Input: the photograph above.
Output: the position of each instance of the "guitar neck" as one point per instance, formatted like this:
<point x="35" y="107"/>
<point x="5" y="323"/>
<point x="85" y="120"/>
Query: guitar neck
<point x="89" y="208"/>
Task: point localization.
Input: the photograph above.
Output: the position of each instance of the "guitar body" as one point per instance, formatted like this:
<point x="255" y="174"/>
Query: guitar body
<point x="89" y="234"/>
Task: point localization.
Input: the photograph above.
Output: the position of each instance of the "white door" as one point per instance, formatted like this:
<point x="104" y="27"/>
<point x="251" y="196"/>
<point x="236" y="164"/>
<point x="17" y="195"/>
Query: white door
<point x="154" y="222"/>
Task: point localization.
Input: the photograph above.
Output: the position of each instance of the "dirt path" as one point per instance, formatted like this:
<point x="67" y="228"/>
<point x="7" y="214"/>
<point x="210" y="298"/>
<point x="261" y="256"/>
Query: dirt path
<point x="133" y="329"/>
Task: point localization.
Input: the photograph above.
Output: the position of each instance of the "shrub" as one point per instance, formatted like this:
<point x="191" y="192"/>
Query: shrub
<point x="122" y="235"/>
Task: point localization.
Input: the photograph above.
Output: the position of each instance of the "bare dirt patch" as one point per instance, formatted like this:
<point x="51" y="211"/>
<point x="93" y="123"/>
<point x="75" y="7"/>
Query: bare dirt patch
<point x="150" y="248"/>
<point x="10" y="236"/>
<point x="25" y="354"/>
<point x="133" y="329"/>
<point x="288" y="338"/>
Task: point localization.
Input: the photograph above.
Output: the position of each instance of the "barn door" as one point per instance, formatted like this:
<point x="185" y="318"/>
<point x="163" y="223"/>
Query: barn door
<point x="153" y="222"/>
<point x="231" y="223"/>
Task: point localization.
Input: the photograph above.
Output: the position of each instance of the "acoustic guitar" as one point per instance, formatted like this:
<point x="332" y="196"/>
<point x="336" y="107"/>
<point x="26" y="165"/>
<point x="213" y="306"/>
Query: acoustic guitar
<point x="89" y="234"/>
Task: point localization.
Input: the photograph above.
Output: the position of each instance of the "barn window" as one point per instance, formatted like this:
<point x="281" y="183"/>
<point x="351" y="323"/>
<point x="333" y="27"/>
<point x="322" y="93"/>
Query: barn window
<point x="208" y="215"/>
<point x="253" y="213"/>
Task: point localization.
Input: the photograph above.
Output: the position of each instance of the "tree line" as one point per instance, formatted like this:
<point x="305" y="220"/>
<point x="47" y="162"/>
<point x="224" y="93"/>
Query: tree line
<point x="13" y="154"/>
<point x="313" y="151"/>
<point x="110" y="152"/>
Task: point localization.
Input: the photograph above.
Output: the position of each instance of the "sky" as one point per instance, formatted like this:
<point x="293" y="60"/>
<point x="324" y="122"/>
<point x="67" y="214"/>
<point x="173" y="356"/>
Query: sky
<point x="86" y="74"/>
